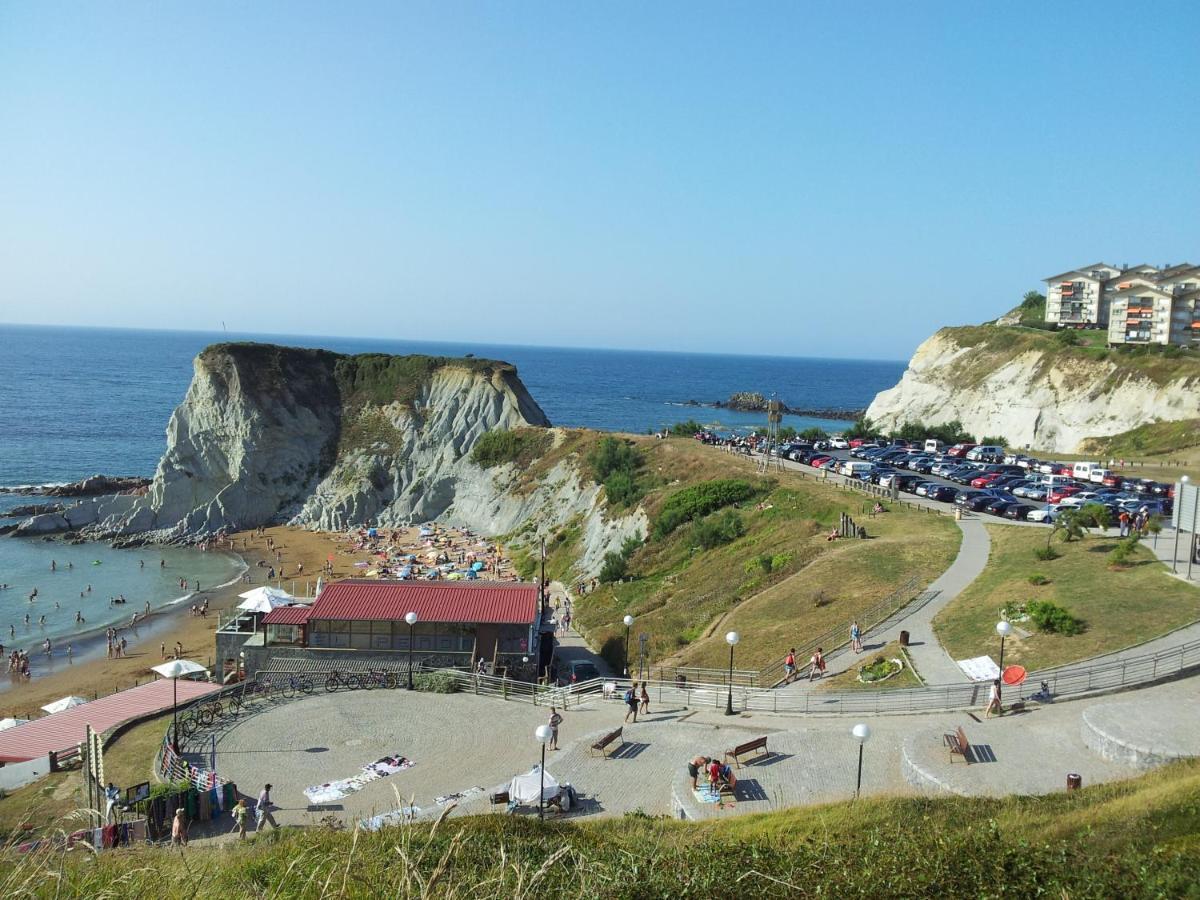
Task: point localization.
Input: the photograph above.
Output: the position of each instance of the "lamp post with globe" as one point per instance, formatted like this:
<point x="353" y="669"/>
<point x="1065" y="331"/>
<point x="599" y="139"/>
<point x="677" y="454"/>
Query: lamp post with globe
<point x="628" y="620"/>
<point x="542" y="733"/>
<point x="1004" y="629"/>
<point x="411" y="619"/>
<point x="861" y="733"/>
<point x="731" y="639"/>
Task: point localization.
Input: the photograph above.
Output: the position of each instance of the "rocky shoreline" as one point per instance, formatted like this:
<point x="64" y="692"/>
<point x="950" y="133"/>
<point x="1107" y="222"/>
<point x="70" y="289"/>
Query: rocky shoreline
<point x="95" y="486"/>
<point x="750" y="401"/>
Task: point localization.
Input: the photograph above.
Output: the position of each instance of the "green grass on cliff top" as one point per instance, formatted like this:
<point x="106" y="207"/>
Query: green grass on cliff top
<point x="1130" y="839"/>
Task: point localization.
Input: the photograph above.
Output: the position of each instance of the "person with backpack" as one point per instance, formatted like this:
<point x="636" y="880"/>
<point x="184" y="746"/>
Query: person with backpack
<point x="631" y="700"/>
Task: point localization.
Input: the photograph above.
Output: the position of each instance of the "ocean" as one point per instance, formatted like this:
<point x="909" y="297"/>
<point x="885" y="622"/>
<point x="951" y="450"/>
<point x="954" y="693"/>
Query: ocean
<point x="80" y="401"/>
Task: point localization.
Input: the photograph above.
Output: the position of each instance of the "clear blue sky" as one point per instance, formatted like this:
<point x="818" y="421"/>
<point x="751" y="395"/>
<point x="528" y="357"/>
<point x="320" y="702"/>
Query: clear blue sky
<point x="833" y="179"/>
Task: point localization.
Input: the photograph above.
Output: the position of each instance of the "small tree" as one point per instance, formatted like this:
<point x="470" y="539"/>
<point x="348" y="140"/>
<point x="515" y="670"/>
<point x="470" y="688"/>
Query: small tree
<point x="1093" y="515"/>
<point x="1067" y="525"/>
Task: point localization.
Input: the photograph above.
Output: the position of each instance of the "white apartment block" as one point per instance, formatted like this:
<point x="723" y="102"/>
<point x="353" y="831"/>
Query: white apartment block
<point x="1136" y="305"/>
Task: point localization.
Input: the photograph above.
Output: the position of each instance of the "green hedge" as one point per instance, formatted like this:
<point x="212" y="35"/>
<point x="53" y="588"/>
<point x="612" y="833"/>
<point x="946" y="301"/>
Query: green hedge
<point x="698" y="501"/>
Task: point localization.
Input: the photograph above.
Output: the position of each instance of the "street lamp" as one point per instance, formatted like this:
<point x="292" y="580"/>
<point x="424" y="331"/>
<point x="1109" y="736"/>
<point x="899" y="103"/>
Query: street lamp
<point x="731" y="638"/>
<point x="1004" y="629"/>
<point x="411" y="619"/>
<point x="542" y="733"/>
<point x="861" y="733"/>
<point x="628" y="620"/>
<point x="1178" y="522"/>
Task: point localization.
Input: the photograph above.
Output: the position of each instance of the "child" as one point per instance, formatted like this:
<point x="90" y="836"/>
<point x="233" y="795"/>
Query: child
<point x="240" y="814"/>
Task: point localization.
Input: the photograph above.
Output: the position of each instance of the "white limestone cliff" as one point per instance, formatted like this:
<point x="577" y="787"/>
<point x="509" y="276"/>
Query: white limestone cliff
<point x="1031" y="396"/>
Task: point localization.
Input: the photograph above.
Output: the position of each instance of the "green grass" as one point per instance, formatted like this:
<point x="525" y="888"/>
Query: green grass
<point x="1166" y="439"/>
<point x="1118" y="607"/>
<point x="520" y="446"/>
<point x="1130" y="839"/>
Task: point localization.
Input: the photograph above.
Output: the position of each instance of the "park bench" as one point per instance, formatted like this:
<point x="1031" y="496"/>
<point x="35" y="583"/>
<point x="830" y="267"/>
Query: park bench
<point x="500" y="798"/>
<point x="601" y="746"/>
<point x="748" y="747"/>
<point x="957" y="743"/>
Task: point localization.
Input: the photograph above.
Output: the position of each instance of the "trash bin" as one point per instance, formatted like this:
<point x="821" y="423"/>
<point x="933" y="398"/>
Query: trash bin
<point x="904" y="639"/>
<point x="1074" y="782"/>
<point x="958" y="513"/>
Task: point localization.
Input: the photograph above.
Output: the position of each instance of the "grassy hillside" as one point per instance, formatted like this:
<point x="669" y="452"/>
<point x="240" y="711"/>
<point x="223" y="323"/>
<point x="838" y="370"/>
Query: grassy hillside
<point x="1132" y="839"/>
<point x="779" y="583"/>
<point x="1118" y="607"/>
<point x="1159" y="439"/>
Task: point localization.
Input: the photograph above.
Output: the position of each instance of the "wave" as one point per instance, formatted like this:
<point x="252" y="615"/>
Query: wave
<point x="23" y="488"/>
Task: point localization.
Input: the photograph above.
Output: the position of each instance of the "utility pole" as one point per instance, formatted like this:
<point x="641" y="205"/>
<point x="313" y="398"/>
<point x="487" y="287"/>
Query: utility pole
<point x="543" y="590"/>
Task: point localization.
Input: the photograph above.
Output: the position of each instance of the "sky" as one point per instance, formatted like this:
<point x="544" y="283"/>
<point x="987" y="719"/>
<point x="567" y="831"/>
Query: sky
<point x="807" y="179"/>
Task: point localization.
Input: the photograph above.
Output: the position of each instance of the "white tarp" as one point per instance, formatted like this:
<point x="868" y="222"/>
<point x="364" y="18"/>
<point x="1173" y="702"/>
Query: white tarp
<point x="264" y="599"/>
<point x="64" y="704"/>
<point x="6" y="724"/>
<point x="523" y="789"/>
<point x="980" y="668"/>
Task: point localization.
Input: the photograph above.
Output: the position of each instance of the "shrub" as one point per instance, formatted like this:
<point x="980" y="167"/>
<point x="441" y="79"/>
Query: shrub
<point x="686" y="429"/>
<point x="993" y="441"/>
<point x="615" y="464"/>
<point x="621" y="489"/>
<point x="614" y="567"/>
<point x="1067" y="338"/>
<point x="717" y="530"/>
<point x="435" y="683"/>
<point x="1093" y="515"/>
<point x="700" y="500"/>
<point x="1038" y="579"/>
<point x="1052" y="618"/>
<point x="1046" y="553"/>
<point x="1124" y="549"/>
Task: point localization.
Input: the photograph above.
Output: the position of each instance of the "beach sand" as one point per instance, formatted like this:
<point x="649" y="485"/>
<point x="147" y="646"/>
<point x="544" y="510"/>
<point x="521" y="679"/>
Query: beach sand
<point x="92" y="673"/>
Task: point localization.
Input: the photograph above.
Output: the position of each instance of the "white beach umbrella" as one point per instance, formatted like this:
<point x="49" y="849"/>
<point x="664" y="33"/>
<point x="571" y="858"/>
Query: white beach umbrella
<point x="64" y="704"/>
<point x="264" y="599"/>
<point x="174" y="670"/>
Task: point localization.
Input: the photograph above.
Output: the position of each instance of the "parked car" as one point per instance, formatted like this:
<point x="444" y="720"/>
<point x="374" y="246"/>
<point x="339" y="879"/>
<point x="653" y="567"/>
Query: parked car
<point x="839" y="443"/>
<point x="942" y="492"/>
<point x="960" y="450"/>
<point x="1018" y="512"/>
<point x="962" y="498"/>
<point x="981" y="502"/>
<point x="1113" y="480"/>
<point x="1062" y="492"/>
<point x="997" y="507"/>
<point x="985" y="480"/>
<point x="1045" y="514"/>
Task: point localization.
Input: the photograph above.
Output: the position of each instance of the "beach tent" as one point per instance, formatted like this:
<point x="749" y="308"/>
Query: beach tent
<point x="371" y="532"/>
<point x="10" y="722"/>
<point x="64" y="704"/>
<point x="524" y="788"/>
<point x="264" y="599"/>
<point x="477" y="566"/>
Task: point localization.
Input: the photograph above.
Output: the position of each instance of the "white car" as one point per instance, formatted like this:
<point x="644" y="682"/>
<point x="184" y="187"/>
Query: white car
<point x="1047" y="514"/>
<point x="838" y="443"/>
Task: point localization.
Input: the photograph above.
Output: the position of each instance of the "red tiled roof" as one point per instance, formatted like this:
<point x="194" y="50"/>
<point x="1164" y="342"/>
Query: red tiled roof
<point x="287" y="615"/>
<point x="490" y="602"/>
<point x="65" y="730"/>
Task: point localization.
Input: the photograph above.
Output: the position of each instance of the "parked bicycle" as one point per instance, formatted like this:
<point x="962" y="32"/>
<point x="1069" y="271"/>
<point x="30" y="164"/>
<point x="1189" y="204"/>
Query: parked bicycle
<point x="337" y="680"/>
<point x="296" y="684"/>
<point x="374" y="679"/>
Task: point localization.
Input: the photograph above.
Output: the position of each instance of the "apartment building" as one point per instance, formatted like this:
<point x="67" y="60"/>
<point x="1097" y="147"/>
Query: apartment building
<point x="1136" y="305"/>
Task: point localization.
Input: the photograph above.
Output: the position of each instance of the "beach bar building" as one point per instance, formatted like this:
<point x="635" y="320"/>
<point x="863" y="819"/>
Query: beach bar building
<point x="355" y="625"/>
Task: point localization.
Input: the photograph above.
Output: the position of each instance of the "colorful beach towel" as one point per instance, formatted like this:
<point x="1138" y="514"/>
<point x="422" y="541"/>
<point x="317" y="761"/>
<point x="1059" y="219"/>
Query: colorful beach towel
<point x="332" y="791"/>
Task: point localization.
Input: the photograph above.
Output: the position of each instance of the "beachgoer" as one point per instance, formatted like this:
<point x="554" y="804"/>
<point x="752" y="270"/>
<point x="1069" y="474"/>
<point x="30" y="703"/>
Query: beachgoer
<point x="112" y="794"/>
<point x="263" y="810"/>
<point x="994" y="700"/>
<point x="817" y="664"/>
<point x="631" y="700"/>
<point x="179" y="828"/>
<point x="789" y="666"/>
<point x="556" y="719"/>
<point x="855" y="637"/>
<point x="645" y="710"/>
<point x="695" y="766"/>
<point x="240" y="813"/>
<point x="162" y="650"/>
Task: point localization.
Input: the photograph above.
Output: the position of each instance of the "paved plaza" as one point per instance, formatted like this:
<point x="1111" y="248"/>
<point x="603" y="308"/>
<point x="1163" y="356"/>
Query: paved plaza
<point x="463" y="741"/>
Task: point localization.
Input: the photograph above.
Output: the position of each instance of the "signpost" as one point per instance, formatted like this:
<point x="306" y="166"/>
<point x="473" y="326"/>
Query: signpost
<point x="1184" y="517"/>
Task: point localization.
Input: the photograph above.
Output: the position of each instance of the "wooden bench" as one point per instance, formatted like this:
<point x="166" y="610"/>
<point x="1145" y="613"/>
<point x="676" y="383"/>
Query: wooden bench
<point x="500" y="798"/>
<point x="601" y="746"/>
<point x="748" y="747"/>
<point x="958" y="743"/>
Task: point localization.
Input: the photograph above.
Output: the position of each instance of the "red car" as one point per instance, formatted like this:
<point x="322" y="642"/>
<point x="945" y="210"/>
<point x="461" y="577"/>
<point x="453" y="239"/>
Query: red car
<point x="857" y="442"/>
<point x="985" y="480"/>
<point x="959" y="450"/>
<point x="817" y="461"/>
<point x="1113" y="481"/>
<point x="1059" y="494"/>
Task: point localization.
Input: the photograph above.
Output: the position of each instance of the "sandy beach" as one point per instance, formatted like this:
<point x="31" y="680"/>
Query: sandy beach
<point x="91" y="672"/>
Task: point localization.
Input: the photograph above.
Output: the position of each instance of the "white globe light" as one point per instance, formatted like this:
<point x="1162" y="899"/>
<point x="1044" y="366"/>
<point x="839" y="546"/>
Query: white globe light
<point x="1185" y="479"/>
<point x="542" y="733"/>
<point x="732" y="638"/>
<point x="628" y="620"/>
<point x="411" y="618"/>
<point x="1003" y="628"/>
<point x="861" y="732"/>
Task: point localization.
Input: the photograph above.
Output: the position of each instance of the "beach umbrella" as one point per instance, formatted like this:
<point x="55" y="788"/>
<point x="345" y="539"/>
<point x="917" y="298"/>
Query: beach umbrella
<point x="64" y="704"/>
<point x="264" y="599"/>
<point x="174" y="670"/>
<point x="10" y="722"/>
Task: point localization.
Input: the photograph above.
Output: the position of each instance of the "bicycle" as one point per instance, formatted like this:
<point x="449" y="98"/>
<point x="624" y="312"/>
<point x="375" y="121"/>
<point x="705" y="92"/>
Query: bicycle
<point x="296" y="684"/>
<point x="337" y="680"/>
<point x="374" y="679"/>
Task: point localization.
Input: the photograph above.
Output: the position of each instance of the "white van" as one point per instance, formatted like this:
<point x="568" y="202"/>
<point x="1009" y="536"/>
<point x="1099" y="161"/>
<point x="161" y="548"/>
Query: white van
<point x="985" y="451"/>
<point x="934" y="446"/>
<point x="1083" y="470"/>
<point x="856" y="468"/>
<point x="1097" y="476"/>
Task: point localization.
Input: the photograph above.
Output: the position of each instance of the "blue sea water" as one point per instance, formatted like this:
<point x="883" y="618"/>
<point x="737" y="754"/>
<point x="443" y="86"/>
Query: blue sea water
<point x="76" y="402"/>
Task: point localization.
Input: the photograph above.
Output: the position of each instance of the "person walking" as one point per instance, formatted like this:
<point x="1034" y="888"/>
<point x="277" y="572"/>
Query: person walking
<point x="263" y="810"/>
<point x="240" y="814"/>
<point x="645" y="710"/>
<point x="789" y="666"/>
<point x="631" y="700"/>
<point x="179" y="828"/>
<point x="556" y="719"/>
<point x="817" y="664"/>
<point x="855" y="637"/>
<point x="994" y="700"/>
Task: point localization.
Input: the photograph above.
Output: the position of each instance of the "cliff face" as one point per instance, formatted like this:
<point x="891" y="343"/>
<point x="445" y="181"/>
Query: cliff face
<point x="271" y="434"/>
<point x="1025" y="388"/>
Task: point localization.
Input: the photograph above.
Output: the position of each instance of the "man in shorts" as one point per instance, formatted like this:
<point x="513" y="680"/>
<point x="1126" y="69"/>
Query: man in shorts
<point x="789" y="666"/>
<point x="695" y="767"/>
